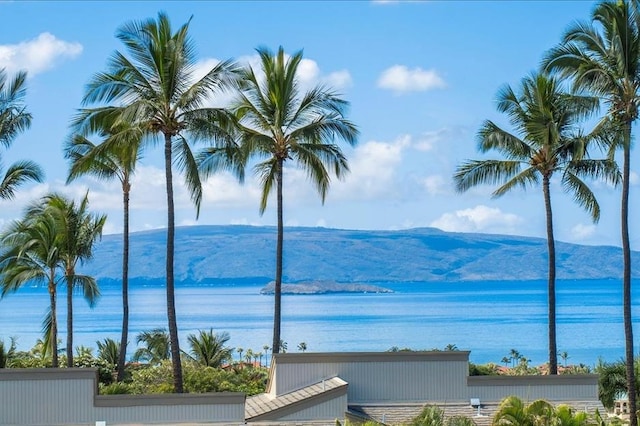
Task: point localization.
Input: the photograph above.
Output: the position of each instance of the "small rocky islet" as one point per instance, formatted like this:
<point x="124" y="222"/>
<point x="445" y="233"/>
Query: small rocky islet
<point x="324" y="287"/>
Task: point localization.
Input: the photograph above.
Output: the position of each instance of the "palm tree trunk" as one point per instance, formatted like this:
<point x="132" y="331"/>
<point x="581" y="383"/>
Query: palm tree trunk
<point x="278" y="284"/>
<point x="551" y="286"/>
<point x="626" y="277"/>
<point x="125" y="282"/>
<point x="171" y="299"/>
<point x="69" y="319"/>
<point x="53" y="336"/>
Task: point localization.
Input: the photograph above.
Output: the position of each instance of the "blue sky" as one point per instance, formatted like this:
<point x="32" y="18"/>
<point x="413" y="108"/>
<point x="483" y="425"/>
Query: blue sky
<point x="420" y="76"/>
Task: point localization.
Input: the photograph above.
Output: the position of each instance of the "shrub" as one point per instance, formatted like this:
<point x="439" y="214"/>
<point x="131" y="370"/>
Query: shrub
<point x="429" y="416"/>
<point x="117" y="388"/>
<point x="460" y="421"/>
<point x="482" y="369"/>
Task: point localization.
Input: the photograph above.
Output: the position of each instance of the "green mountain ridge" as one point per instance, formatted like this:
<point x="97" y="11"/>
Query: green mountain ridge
<point x="215" y="255"/>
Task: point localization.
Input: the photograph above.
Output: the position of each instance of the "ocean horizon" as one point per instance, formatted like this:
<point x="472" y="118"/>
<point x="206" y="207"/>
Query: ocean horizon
<point x="487" y="318"/>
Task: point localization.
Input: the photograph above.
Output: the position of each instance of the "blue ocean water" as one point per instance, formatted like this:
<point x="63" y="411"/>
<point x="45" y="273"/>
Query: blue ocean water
<point x="487" y="318"/>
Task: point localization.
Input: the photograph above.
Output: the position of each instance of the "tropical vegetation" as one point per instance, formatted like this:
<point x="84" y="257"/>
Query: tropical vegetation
<point x="154" y="89"/>
<point x="150" y="93"/>
<point x="14" y="119"/>
<point x="44" y="248"/>
<point x="278" y="122"/>
<point x="115" y="156"/>
<point x="603" y="57"/>
<point x="546" y="142"/>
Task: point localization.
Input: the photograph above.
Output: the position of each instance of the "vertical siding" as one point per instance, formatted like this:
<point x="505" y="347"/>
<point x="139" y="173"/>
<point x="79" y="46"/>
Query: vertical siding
<point x="333" y="409"/>
<point x="172" y="413"/>
<point x="535" y="387"/>
<point x="46" y="402"/>
<point x="397" y="379"/>
<point x="65" y="397"/>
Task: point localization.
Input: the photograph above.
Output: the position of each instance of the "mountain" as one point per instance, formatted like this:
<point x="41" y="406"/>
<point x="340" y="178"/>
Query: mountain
<point x="226" y="254"/>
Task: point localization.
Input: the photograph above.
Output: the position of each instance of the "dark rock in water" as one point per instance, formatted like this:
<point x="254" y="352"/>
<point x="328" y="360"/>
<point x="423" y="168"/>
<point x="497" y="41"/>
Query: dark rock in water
<point x="324" y="287"/>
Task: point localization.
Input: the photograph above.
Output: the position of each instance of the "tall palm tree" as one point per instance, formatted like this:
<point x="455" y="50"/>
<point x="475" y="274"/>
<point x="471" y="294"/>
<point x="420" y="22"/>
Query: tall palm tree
<point x="117" y="157"/>
<point x="14" y="119"/>
<point x="546" y="141"/>
<point x="32" y="254"/>
<point x="79" y="230"/>
<point x="154" y="88"/>
<point x="208" y="348"/>
<point x="603" y="57"/>
<point x="277" y="123"/>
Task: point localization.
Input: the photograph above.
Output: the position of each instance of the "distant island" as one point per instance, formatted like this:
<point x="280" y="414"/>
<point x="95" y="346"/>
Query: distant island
<point x="324" y="287"/>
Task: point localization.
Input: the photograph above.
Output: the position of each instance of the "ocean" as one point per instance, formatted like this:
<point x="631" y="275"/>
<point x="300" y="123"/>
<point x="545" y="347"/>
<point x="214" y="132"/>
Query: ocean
<point x="487" y="318"/>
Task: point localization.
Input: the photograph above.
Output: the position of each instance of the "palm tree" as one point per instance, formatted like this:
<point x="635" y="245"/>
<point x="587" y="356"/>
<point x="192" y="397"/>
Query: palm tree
<point x="546" y="142"/>
<point x="208" y="348"/>
<point x="154" y="89"/>
<point x="156" y="346"/>
<point x="277" y="123"/>
<point x="513" y="412"/>
<point x="115" y="157"/>
<point x="612" y="381"/>
<point x="14" y="119"/>
<point x="7" y="352"/>
<point x="32" y="254"/>
<point x="108" y="351"/>
<point x="79" y="229"/>
<point x="603" y="57"/>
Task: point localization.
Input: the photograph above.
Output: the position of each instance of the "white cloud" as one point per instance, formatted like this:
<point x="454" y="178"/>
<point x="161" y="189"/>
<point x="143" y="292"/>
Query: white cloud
<point x="583" y="232"/>
<point x="634" y="179"/>
<point x="373" y="169"/>
<point x="308" y="71"/>
<point x="401" y="79"/>
<point x="338" y="80"/>
<point x="435" y="185"/>
<point x="38" y="54"/>
<point x="480" y="219"/>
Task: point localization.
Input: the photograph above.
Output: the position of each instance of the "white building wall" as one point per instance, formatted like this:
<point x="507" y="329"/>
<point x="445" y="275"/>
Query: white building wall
<point x="334" y="408"/>
<point x="68" y="397"/>
<point x="379" y="377"/>
<point x="529" y="388"/>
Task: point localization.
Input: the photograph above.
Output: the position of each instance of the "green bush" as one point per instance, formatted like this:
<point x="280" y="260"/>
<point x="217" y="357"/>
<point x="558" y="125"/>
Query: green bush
<point x="197" y="379"/>
<point x="483" y="369"/>
<point x="460" y="421"/>
<point x="117" y="388"/>
<point x="429" y="416"/>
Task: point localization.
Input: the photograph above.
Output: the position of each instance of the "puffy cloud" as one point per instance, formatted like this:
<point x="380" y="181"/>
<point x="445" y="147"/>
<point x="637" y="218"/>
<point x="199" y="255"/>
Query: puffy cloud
<point x="401" y="79"/>
<point x="480" y="219"/>
<point x="38" y="54"/>
<point x="338" y="80"/>
<point x="373" y="169"/>
<point x="582" y="232"/>
<point x="634" y="179"/>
